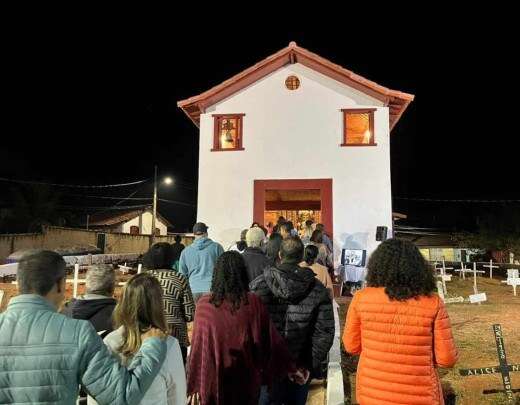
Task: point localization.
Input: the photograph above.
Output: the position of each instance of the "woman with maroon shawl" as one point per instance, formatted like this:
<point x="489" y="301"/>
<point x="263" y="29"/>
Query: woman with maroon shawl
<point x="235" y="347"/>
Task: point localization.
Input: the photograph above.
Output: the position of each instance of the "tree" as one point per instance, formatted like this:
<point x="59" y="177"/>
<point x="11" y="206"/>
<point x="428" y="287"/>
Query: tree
<point x="498" y="230"/>
<point x="33" y="206"/>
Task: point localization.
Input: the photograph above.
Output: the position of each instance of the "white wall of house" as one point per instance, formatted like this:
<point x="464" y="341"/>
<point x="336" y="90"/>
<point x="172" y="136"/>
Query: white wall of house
<point x="296" y="135"/>
<point x="144" y="222"/>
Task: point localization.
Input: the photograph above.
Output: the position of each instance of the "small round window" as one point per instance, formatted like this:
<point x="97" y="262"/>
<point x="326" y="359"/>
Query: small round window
<point x="292" y="83"/>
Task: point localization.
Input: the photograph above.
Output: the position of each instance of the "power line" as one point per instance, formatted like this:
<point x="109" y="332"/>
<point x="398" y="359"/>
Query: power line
<point x="176" y="202"/>
<point x="458" y="200"/>
<point x="72" y="185"/>
<point x="120" y="207"/>
<point x="105" y="197"/>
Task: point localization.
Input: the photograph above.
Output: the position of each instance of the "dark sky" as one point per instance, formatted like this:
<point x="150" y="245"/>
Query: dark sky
<point x="88" y="105"/>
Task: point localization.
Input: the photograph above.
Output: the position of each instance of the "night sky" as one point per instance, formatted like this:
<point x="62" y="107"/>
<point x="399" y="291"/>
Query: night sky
<point x="84" y="105"/>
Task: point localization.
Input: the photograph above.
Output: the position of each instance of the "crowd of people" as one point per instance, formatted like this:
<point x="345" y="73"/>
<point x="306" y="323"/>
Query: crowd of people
<point x="263" y="325"/>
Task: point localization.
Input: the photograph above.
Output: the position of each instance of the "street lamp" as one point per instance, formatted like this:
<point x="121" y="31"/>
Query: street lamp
<point x="168" y="181"/>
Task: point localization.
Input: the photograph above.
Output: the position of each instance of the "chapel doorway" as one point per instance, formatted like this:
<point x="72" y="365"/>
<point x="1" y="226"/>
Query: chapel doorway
<point x="295" y="200"/>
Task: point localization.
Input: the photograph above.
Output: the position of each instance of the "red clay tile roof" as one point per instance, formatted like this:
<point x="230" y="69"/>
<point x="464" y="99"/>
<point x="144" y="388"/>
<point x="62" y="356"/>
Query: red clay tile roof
<point x="115" y="218"/>
<point x="396" y="101"/>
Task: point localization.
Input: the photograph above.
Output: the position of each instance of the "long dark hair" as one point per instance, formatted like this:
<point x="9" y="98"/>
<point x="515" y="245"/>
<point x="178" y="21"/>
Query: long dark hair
<point x="273" y="246"/>
<point x="230" y="281"/>
<point x="159" y="257"/>
<point x="310" y="255"/>
<point x="317" y="236"/>
<point x="398" y="266"/>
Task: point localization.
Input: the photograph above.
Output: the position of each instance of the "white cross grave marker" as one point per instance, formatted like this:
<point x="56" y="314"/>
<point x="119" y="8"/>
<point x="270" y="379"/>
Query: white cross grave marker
<point x="443" y="276"/>
<point x="513" y="279"/>
<point x="463" y="270"/>
<point x="124" y="268"/>
<point x="491" y="267"/>
<point x="476" y="297"/>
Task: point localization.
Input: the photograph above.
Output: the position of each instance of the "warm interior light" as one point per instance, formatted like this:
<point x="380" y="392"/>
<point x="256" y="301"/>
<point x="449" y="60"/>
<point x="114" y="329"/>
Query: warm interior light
<point x="168" y="180"/>
<point x="366" y="137"/>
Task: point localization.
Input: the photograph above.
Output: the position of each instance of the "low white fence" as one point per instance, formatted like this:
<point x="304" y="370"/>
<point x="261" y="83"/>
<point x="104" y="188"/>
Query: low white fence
<point x="83" y="260"/>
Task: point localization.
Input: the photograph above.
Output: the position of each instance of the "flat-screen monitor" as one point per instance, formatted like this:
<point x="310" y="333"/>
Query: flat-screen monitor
<point x="353" y="257"/>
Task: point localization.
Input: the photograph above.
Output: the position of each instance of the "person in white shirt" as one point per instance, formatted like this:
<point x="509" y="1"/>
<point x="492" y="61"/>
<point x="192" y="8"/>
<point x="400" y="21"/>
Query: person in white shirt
<point x="241" y="245"/>
<point x="141" y="308"/>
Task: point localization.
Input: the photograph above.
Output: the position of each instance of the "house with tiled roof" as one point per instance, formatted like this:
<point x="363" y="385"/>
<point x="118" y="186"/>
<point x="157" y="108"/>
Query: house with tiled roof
<point x="304" y="138"/>
<point x="134" y="222"/>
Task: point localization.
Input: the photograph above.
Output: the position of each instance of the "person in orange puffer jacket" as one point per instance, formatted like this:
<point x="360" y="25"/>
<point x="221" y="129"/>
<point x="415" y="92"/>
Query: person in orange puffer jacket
<point x="401" y="329"/>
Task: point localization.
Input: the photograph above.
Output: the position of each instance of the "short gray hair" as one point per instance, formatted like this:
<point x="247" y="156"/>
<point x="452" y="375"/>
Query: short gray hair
<point x="101" y="279"/>
<point x="255" y="237"/>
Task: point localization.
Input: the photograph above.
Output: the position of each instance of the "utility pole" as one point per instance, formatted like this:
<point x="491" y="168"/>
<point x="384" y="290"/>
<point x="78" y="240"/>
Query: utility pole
<point x="154" y="209"/>
<point x="88" y="219"/>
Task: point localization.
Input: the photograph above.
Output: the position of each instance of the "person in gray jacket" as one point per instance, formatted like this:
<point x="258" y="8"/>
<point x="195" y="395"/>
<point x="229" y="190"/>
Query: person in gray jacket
<point x="45" y="356"/>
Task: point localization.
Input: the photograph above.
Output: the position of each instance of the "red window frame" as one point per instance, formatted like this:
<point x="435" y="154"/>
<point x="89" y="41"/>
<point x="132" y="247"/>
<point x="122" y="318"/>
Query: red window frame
<point x="370" y="112"/>
<point x="217" y="119"/>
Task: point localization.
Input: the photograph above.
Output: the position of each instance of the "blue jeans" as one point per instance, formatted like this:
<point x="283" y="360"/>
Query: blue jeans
<point x="285" y="393"/>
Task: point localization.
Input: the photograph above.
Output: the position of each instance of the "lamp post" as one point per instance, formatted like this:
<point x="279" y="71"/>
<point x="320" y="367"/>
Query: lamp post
<point x="154" y="209"/>
<point x="167" y="181"/>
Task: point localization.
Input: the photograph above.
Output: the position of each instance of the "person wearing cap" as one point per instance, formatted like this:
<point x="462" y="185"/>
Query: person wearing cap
<point x="254" y="257"/>
<point x="198" y="260"/>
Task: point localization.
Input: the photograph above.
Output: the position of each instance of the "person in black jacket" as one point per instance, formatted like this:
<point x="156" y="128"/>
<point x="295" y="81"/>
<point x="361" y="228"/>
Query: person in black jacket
<point x="301" y="309"/>
<point x="177" y="249"/>
<point x="97" y="304"/>
<point x="254" y="257"/>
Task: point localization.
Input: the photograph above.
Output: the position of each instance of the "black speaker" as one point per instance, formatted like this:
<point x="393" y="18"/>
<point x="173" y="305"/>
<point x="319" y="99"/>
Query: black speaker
<point x="381" y="233"/>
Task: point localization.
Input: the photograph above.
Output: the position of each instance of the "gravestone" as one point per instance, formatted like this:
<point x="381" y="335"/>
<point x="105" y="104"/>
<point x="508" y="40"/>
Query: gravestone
<point x="491" y="267"/>
<point x="504" y="368"/>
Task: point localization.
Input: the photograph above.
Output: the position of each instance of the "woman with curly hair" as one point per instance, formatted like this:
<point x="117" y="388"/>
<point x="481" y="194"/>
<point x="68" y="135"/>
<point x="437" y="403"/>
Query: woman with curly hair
<point x="235" y="347"/>
<point x="400" y="328"/>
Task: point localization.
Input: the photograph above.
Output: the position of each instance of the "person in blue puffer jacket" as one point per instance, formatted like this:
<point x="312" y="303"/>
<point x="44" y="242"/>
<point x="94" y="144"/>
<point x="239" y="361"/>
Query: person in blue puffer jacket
<point x="198" y="261"/>
<point x="46" y="356"/>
